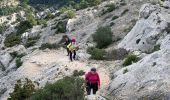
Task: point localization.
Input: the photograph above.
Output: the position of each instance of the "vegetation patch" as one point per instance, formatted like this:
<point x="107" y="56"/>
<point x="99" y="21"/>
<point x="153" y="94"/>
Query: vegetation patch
<point x="124" y="12"/>
<point x="16" y="55"/>
<point x="96" y="54"/>
<point x="103" y="37"/>
<point x="61" y="27"/>
<point x="68" y="88"/>
<point x="111" y="7"/>
<point x="125" y="71"/>
<point x="31" y="41"/>
<point x="22" y="90"/>
<point x="23" y="26"/>
<point x="49" y="16"/>
<point x="49" y="46"/>
<point x="130" y="59"/>
<point x="156" y="48"/>
<point x="78" y="73"/>
<point x="71" y="14"/>
<point x="12" y="40"/>
<point x="115" y="17"/>
<point x="18" y="62"/>
<point x="2" y="29"/>
<point x="4" y="11"/>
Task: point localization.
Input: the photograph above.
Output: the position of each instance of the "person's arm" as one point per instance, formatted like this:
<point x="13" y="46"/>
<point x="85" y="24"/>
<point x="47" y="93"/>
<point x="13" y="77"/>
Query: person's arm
<point x="98" y="79"/>
<point x="87" y="77"/>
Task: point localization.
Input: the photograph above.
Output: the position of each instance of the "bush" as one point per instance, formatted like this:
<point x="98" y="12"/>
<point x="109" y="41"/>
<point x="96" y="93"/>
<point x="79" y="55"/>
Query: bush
<point x="30" y="18"/>
<point x="12" y="40"/>
<point x="61" y="27"/>
<point x="167" y="29"/>
<point x="18" y="62"/>
<point x="117" y="54"/>
<point x="130" y="59"/>
<point x="22" y="91"/>
<point x="31" y="41"/>
<point x="42" y="22"/>
<point x="124" y="12"/>
<point x="112" y="23"/>
<point x="111" y="7"/>
<point x="49" y="16"/>
<point x="96" y="54"/>
<point x="2" y="29"/>
<point x="93" y="2"/>
<point x="156" y="48"/>
<point x="78" y="73"/>
<point x="49" y="46"/>
<point x="125" y="71"/>
<point x="23" y="26"/>
<point x="115" y="17"/>
<point x="16" y="55"/>
<point x="71" y="14"/>
<point x="8" y="10"/>
<point x="68" y="88"/>
<point x="103" y="37"/>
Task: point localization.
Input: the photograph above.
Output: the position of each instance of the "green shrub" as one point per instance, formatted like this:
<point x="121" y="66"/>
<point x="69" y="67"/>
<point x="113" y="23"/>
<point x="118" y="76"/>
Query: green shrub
<point x="22" y="91"/>
<point x="93" y="2"/>
<point x="18" y="62"/>
<point x="49" y="46"/>
<point x="12" y="40"/>
<point x="61" y="27"/>
<point x="111" y="7"/>
<point x="115" y="17"/>
<point x="78" y="73"/>
<point x="124" y="12"/>
<point x="130" y="59"/>
<point x="112" y="23"/>
<point x="23" y="26"/>
<point x="30" y="18"/>
<point x="8" y="10"/>
<point x="156" y="48"/>
<point x="42" y="22"/>
<point x="68" y="88"/>
<point x="96" y="54"/>
<point x="71" y="14"/>
<point x="32" y="41"/>
<point x="2" y="29"/>
<point x="16" y="55"/>
<point x="103" y="37"/>
<point x="49" y="16"/>
<point x="125" y="71"/>
<point x="167" y="29"/>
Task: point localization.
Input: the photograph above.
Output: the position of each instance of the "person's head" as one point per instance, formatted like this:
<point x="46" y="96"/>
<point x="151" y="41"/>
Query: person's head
<point x="65" y="37"/>
<point x="73" y="41"/>
<point x="93" y="70"/>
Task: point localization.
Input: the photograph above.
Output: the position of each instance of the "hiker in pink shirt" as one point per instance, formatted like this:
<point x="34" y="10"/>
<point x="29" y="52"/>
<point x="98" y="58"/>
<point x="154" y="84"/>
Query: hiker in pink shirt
<point x="92" y="81"/>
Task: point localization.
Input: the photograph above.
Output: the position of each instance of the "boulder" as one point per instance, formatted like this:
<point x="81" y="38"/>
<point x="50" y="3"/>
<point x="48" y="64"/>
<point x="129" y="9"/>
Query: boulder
<point x="166" y="4"/>
<point x="148" y="30"/>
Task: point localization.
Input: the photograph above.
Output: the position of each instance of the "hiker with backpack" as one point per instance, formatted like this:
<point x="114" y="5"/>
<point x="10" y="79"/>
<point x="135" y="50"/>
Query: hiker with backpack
<point x="67" y="42"/>
<point x="72" y="49"/>
<point x="92" y="81"/>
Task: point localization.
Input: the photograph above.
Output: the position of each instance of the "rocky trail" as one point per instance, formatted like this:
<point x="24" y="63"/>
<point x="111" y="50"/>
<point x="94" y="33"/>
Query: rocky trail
<point x="51" y="65"/>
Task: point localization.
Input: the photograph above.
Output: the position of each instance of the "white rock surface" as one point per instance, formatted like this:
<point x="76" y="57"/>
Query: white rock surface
<point x="148" y="29"/>
<point x="149" y="77"/>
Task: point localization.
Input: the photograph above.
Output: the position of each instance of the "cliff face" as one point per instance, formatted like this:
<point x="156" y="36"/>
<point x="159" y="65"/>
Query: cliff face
<point x="148" y="78"/>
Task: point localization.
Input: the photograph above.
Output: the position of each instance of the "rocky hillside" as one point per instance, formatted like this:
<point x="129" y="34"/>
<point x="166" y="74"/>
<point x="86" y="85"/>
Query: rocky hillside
<point x="132" y="65"/>
<point x="4" y="3"/>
